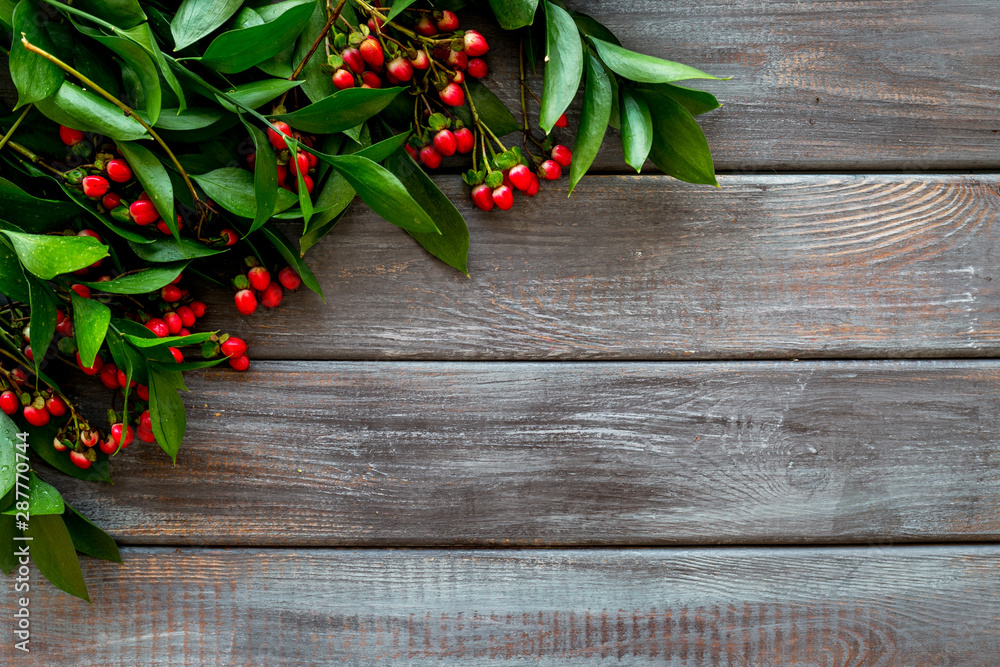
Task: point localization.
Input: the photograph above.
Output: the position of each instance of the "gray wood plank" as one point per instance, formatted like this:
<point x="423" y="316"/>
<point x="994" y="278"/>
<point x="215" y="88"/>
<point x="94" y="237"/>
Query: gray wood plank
<point x="913" y="606"/>
<point x="820" y="85"/>
<point x="533" y="454"/>
<point x="780" y="266"/>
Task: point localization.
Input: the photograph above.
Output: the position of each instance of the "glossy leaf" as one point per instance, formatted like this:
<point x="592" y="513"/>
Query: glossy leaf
<point x="54" y="555"/>
<point x="265" y="178"/>
<point x="385" y="148"/>
<point x="514" y="14"/>
<point x="166" y="410"/>
<point x="12" y="281"/>
<point x="317" y="230"/>
<point x="169" y="250"/>
<point x="8" y="457"/>
<point x="491" y="110"/>
<point x="142" y="342"/>
<point x="43" y="498"/>
<point x="258" y="93"/>
<point x="142" y="63"/>
<point x="451" y="246"/>
<point x="142" y="34"/>
<point x="341" y="111"/>
<point x="153" y="177"/>
<point x="48" y="256"/>
<point x="563" y="65"/>
<point x="81" y="109"/>
<point x="333" y="199"/>
<point x="679" y="146"/>
<point x="141" y="282"/>
<point x="191" y="119"/>
<point x="88" y="538"/>
<point x="593" y="121"/>
<point x="293" y="257"/>
<point x="591" y="27"/>
<point x="240" y="49"/>
<point x="31" y="213"/>
<point x="695" y="101"/>
<point x="233" y="189"/>
<point x="90" y="323"/>
<point x="43" y="318"/>
<point x="642" y="68"/>
<point x="122" y="13"/>
<point x="637" y="130"/>
<point x="34" y="77"/>
<point x="305" y="199"/>
<point x="196" y="18"/>
<point x="397" y="8"/>
<point x="316" y="83"/>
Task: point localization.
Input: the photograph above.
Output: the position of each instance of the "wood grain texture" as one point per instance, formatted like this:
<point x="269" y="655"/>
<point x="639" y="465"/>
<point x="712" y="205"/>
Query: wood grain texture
<point x="648" y="268"/>
<point x="911" y="606"/>
<point x="906" y="85"/>
<point x="424" y="454"/>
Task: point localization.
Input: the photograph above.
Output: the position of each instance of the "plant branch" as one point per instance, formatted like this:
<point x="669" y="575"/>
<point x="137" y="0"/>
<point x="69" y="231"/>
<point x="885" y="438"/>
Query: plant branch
<point x="37" y="161"/>
<point x="3" y="142"/>
<point x="322" y="35"/>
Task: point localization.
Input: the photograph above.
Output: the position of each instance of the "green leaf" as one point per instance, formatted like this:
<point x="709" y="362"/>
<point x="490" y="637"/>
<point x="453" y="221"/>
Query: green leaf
<point x="258" y="93"/>
<point x="196" y="18"/>
<point x="8" y="457"/>
<point x="265" y="178"/>
<point x="563" y="66"/>
<point x="81" y="109"/>
<point x="385" y="148"/>
<point x="166" y="410"/>
<point x="191" y="119"/>
<point x="679" y="146"/>
<point x="241" y="49"/>
<point x="398" y="6"/>
<point x="637" y="130"/>
<point x="87" y="204"/>
<point x="127" y="357"/>
<point x="144" y="65"/>
<point x="642" y="68"/>
<point x="233" y="189"/>
<point x="12" y="281"/>
<point x="43" y="318"/>
<point x="34" y="77"/>
<point x="142" y="34"/>
<point x="491" y="110"/>
<point x="451" y="246"/>
<point x="341" y="111"/>
<point x="593" y="121"/>
<point x="169" y="250"/>
<point x="382" y="192"/>
<point x="513" y="14"/>
<point x="316" y="83"/>
<point x="48" y="256"/>
<point x="40" y="440"/>
<point x="90" y="322"/>
<point x="42" y="499"/>
<point x="695" y="101"/>
<point x="591" y="27"/>
<point x="317" y="230"/>
<point x="141" y="282"/>
<point x="153" y="177"/>
<point x="293" y="257"/>
<point x="7" y="12"/>
<point x="54" y="555"/>
<point x="169" y="341"/>
<point x="31" y="213"/>
<point x="88" y="538"/>
<point x="7" y="543"/>
<point x="122" y="13"/>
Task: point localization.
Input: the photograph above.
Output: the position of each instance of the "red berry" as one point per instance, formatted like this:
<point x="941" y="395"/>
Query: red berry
<point x="89" y="438"/>
<point x="36" y="416"/>
<point x="69" y="136"/>
<point x="343" y="79"/>
<point x="229" y="237"/>
<point x="58" y="445"/>
<point x="300" y="163"/>
<point x="143" y="212"/>
<point x="277" y="140"/>
<point x="503" y="197"/>
<point x="174" y="324"/>
<point x="170" y="293"/>
<point x="233" y="347"/>
<point x="186" y="315"/>
<point x="252" y="161"/>
<point x="259" y="278"/>
<point x="520" y="177"/>
<point x="562" y="155"/>
<point x="371" y="52"/>
<point x="121" y="435"/>
<point x="19" y="376"/>
<point x="79" y="460"/>
<point x="400" y="68"/>
<point x="122" y="380"/>
<point x="289" y="278"/>
<point x="146" y="435"/>
<point x="240" y="363"/>
<point x="271" y="297"/>
<point x="477" y="68"/>
<point x="110" y="201"/>
<point x="246" y="302"/>
<point x="448" y="21"/>
<point x="94" y="187"/>
<point x="457" y="60"/>
<point x="430" y="157"/>
<point x="178" y="355"/>
<point x="199" y="308"/>
<point x="81" y="290"/>
<point x="562" y="122"/>
<point x="282" y="175"/>
<point x="142" y="391"/>
<point x="475" y="43"/>
<point x="374" y="23"/>
<point x="145" y="422"/>
<point x="412" y="151"/>
<point x="420" y="61"/>
<point x="371" y="79"/>
<point x="466" y="141"/>
<point x="452" y="95"/>
<point x="352" y="58"/>
<point x="458" y="78"/>
<point x="445" y="142"/>
<point x="184" y="332"/>
<point x="108" y="446"/>
<point x="425" y="26"/>
<point x="109" y="376"/>
<point x="158" y="327"/>
<point x="56" y="406"/>
<point x="9" y="402"/>
<point x="29" y="353"/>
<point x="550" y="170"/>
<point x="532" y="187"/>
<point x="482" y="197"/>
<point x="119" y="171"/>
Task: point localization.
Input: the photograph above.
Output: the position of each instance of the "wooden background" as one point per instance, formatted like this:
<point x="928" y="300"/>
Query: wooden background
<point x="661" y="424"/>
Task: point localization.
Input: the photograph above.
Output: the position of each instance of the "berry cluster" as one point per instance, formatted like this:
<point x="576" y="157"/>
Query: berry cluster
<point x="256" y="286"/>
<point x="289" y="166"/>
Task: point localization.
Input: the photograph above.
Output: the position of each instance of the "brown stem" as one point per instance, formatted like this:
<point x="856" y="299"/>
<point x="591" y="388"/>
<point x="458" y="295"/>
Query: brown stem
<point x="128" y="111"/>
<point x="322" y="35"/>
<point x="37" y="161"/>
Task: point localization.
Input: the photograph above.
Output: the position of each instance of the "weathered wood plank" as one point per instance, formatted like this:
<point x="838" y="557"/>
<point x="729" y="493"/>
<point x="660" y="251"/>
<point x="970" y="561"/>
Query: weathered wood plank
<point x="914" y="606"/>
<point x="424" y="454"/>
<point x="822" y="84"/>
<point x="647" y="268"/>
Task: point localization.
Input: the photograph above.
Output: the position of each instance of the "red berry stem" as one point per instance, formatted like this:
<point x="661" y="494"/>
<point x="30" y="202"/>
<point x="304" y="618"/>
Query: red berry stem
<point x="322" y="35"/>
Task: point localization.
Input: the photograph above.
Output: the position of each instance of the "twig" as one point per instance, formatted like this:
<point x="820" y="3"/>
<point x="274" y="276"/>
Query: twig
<point x="322" y="35"/>
<point x="34" y="158"/>
<point x="3" y="142"/>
